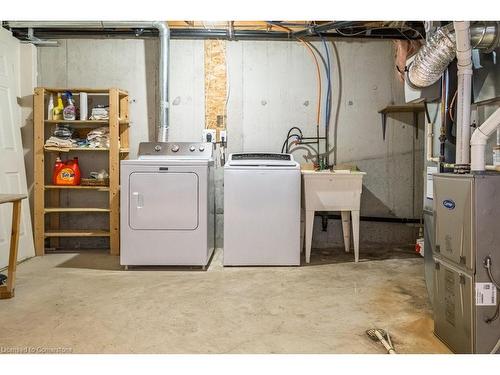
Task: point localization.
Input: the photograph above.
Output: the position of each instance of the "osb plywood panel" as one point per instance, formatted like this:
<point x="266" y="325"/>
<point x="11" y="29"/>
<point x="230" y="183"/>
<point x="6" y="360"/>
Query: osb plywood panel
<point x="215" y="84"/>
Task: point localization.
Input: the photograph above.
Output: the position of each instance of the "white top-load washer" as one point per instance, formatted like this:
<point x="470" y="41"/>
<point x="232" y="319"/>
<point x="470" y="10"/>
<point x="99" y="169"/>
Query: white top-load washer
<point x="261" y="210"/>
<point x="168" y="205"/>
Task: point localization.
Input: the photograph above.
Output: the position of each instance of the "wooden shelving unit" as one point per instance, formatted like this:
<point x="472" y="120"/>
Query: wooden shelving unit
<point x="47" y="207"/>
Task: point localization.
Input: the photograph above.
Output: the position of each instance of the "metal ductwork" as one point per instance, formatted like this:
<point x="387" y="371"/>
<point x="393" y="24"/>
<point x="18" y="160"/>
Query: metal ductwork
<point x="164" y="34"/>
<point x="433" y="58"/>
<point x="162" y="132"/>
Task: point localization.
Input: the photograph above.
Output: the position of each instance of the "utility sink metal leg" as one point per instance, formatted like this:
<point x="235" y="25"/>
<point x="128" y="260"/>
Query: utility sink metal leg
<point x="346" y="229"/>
<point x="309" y="224"/>
<point x="355" y="233"/>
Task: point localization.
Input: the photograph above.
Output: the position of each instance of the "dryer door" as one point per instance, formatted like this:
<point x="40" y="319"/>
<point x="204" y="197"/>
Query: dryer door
<point x="164" y="201"/>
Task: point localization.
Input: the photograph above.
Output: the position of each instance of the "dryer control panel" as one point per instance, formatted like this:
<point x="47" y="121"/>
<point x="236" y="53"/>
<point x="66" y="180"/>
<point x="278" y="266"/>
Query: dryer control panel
<point x="175" y="150"/>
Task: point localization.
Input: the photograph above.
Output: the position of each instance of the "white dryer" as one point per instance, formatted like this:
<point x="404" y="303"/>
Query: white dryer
<point x="261" y="210"/>
<point x="168" y="205"/>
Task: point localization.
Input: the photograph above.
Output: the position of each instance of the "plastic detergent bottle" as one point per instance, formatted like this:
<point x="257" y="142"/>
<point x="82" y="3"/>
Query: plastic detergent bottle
<point x="50" y="107"/>
<point x="69" y="112"/>
<point x="66" y="173"/>
<point x="57" y="113"/>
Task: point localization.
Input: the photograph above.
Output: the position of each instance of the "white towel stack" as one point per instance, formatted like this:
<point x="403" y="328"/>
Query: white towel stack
<point x="60" y="142"/>
<point x="100" y="113"/>
<point x="99" y="137"/>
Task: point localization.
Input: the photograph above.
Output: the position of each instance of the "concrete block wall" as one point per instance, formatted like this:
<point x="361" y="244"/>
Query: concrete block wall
<point x="272" y="87"/>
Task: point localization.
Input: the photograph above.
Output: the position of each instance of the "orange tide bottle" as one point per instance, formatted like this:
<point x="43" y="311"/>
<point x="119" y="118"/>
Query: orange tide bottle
<point x="57" y="167"/>
<point x="66" y="173"/>
<point x="73" y="164"/>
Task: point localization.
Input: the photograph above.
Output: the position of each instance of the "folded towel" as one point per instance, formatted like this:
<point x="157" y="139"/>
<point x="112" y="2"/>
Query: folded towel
<point x="100" y="113"/>
<point x="60" y="142"/>
<point x="99" y="137"/>
<point x="63" y="131"/>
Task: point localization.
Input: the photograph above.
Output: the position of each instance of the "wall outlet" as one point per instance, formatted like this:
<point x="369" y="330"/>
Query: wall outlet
<point x="209" y="135"/>
<point x="223" y="136"/>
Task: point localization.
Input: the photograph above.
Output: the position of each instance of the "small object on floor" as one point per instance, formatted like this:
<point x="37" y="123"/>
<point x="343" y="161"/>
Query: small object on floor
<point x="419" y="246"/>
<point x="3" y="279"/>
<point x="377" y="334"/>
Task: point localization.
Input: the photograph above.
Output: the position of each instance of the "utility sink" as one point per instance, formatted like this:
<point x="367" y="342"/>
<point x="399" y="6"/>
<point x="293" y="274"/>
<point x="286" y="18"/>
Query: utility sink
<point x="332" y="191"/>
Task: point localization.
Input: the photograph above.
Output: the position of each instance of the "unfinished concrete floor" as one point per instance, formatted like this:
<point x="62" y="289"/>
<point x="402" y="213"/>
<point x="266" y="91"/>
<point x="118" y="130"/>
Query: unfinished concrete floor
<point x="85" y="302"/>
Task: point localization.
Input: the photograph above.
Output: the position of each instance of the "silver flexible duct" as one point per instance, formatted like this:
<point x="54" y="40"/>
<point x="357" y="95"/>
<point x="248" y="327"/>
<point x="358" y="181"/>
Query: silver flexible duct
<point x="433" y="58"/>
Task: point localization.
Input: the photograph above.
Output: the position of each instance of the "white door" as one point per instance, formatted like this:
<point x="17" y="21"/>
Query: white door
<point x="12" y="170"/>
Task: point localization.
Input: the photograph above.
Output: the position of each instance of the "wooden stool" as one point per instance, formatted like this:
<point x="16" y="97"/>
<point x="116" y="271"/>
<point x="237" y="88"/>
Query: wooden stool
<point x="7" y="291"/>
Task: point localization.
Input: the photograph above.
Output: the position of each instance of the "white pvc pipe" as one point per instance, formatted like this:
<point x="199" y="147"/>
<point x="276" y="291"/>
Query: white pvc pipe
<point x="464" y="65"/>
<point x="479" y="140"/>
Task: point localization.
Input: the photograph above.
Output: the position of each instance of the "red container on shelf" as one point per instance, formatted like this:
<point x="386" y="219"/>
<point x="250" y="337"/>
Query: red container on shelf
<point x="66" y="172"/>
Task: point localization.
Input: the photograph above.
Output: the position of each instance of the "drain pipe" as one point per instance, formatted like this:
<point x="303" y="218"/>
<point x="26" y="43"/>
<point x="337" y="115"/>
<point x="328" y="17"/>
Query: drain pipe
<point x="479" y="140"/>
<point x="464" y="65"/>
<point x="162" y="134"/>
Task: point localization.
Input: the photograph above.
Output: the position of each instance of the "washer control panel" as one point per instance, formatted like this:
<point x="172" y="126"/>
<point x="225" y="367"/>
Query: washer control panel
<point x="162" y="150"/>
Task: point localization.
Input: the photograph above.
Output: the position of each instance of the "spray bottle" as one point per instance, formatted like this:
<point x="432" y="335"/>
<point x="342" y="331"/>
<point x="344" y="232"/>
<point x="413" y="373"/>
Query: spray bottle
<point x="57" y="113"/>
<point x="69" y="112"/>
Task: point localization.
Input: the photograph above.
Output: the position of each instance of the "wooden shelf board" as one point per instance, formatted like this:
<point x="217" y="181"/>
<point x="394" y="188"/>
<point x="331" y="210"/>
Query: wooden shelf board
<point x="75" y="90"/>
<point x="76" y="233"/>
<point x="78" y="187"/>
<point x="77" y="122"/>
<point x="68" y="149"/>
<point x="84" y="122"/>
<point x="403" y="108"/>
<point x="74" y="209"/>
